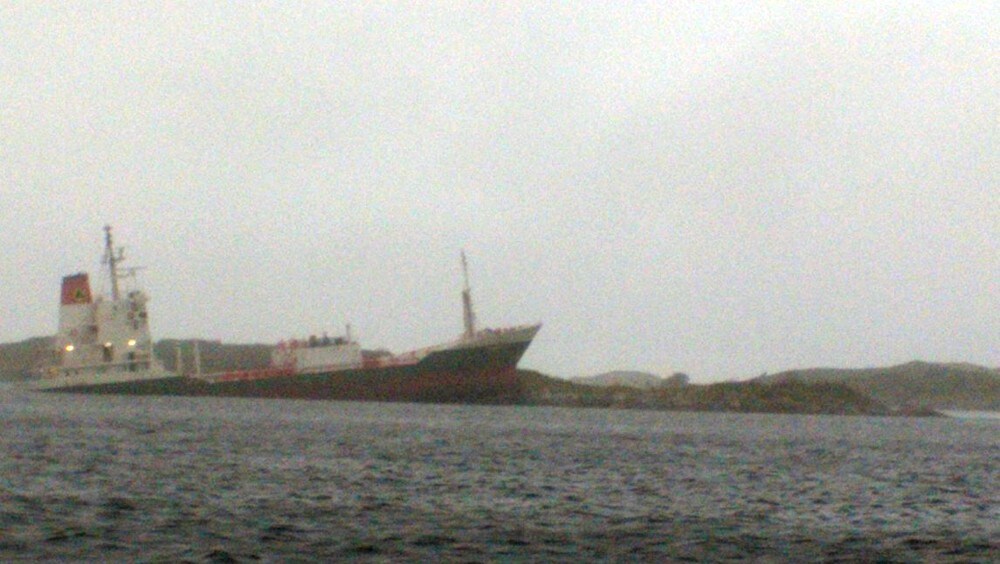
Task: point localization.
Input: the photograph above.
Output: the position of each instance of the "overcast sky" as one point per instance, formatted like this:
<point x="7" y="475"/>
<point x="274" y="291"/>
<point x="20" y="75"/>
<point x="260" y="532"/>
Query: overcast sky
<point x="716" y="188"/>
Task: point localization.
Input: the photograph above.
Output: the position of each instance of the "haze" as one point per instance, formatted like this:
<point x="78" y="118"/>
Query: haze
<point x="718" y="188"/>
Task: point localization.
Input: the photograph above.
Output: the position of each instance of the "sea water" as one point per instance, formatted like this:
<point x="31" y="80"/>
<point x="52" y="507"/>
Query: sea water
<point x="206" y="479"/>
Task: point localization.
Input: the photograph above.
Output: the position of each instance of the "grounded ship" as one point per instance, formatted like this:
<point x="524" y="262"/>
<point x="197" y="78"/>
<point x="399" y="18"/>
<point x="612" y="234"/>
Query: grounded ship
<point x="104" y="346"/>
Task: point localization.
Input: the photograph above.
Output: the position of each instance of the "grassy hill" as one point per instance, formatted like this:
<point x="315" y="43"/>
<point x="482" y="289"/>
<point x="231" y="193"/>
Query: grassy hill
<point x="912" y="385"/>
<point x="18" y="360"/>
<point x="739" y="397"/>
<point x="216" y="356"/>
<point x="630" y="378"/>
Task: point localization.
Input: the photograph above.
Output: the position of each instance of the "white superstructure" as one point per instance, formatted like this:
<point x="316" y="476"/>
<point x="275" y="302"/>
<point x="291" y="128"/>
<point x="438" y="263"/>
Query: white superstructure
<point x="102" y="339"/>
<point x="317" y="355"/>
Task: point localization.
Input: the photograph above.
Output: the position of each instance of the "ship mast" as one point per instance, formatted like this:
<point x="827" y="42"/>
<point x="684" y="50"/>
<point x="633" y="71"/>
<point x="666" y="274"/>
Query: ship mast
<point x="112" y="259"/>
<point x="468" y="315"/>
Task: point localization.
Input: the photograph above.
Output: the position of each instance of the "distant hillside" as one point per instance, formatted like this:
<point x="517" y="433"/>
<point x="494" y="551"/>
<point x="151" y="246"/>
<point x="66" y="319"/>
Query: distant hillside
<point x="216" y="356"/>
<point x="913" y="385"/>
<point x="17" y="360"/>
<point x="629" y="378"/>
<point x="740" y="397"/>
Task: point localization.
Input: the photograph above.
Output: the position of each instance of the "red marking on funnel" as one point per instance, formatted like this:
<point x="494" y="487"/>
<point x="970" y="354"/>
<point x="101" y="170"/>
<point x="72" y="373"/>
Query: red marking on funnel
<point x="76" y="289"/>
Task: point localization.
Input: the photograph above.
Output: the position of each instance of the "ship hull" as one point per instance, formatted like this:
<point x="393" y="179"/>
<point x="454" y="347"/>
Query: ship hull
<point x="167" y="385"/>
<point x="457" y="375"/>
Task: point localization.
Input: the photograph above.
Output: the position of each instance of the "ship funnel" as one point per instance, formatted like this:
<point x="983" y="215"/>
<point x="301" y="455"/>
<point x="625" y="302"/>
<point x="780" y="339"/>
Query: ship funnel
<point x="76" y="289"/>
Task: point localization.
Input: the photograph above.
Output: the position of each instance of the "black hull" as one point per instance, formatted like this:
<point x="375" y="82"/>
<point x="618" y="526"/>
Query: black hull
<point x="473" y="375"/>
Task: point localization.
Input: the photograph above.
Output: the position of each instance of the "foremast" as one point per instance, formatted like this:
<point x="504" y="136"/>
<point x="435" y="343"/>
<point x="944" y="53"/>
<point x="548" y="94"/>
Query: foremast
<point x="111" y="258"/>
<point x="468" y="315"/>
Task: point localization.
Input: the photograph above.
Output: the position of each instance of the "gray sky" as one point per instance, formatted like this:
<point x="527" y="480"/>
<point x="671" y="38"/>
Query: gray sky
<point x="718" y="188"/>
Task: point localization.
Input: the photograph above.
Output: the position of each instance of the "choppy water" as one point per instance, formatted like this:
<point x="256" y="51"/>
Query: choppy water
<point x="113" y="478"/>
